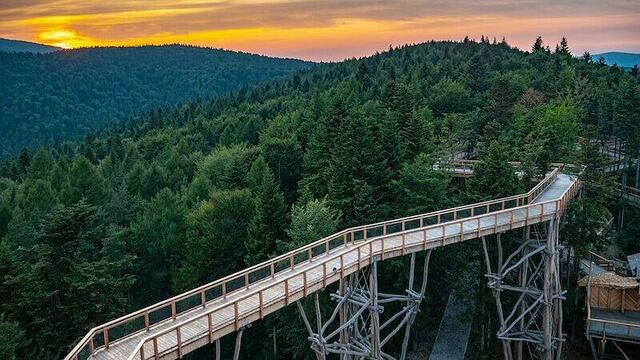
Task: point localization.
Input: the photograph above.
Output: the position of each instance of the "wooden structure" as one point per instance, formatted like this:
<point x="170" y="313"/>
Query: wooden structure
<point x="629" y="194"/>
<point x="613" y="310"/>
<point x="610" y="291"/>
<point x="177" y="326"/>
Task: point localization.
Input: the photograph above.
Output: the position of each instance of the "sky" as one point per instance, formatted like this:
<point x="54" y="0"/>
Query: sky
<point x="321" y="30"/>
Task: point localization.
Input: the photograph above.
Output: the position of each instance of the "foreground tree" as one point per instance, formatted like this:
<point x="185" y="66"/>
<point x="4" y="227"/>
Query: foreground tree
<point x="270" y="219"/>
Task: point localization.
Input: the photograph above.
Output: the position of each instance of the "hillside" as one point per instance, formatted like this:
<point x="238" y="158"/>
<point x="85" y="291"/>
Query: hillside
<point x="49" y="98"/>
<point x="8" y="45"/>
<point x="625" y="60"/>
<point x="93" y="229"/>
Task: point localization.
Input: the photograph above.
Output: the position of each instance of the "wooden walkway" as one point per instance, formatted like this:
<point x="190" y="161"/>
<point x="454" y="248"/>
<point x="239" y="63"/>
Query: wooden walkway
<point x="177" y="326"/>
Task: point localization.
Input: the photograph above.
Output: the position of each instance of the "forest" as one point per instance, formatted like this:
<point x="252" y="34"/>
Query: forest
<point x="50" y="98"/>
<point x="93" y="229"/>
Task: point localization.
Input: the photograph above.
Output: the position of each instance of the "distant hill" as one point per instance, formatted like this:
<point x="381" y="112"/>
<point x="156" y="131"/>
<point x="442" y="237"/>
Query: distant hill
<point x="626" y="60"/>
<point x="8" y="45"/>
<point x="49" y="98"/>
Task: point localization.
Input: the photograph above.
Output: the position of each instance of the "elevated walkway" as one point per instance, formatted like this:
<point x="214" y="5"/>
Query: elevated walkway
<point x="177" y="326"/>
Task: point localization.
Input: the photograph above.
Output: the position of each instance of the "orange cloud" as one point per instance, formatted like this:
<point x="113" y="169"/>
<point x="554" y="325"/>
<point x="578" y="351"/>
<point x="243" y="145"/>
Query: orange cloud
<point x="322" y="29"/>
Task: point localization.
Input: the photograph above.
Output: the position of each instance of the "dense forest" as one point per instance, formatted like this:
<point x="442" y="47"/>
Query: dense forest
<point x="94" y="229"/>
<point x="49" y="98"/>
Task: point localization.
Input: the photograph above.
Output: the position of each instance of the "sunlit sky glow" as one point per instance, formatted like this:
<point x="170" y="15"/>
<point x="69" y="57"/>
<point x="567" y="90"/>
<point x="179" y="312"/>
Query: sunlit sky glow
<point x="321" y="29"/>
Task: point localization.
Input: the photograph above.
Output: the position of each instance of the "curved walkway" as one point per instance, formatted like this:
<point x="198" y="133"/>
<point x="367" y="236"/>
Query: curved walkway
<point x="177" y="326"/>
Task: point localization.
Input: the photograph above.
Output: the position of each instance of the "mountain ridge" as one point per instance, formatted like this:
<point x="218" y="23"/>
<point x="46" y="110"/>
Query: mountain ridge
<point x="65" y="94"/>
<point x="21" y="46"/>
<point x="620" y="58"/>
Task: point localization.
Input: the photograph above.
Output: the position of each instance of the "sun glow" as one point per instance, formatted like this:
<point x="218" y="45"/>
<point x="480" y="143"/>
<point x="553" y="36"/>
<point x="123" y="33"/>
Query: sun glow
<point x="318" y="29"/>
<point x="65" y="39"/>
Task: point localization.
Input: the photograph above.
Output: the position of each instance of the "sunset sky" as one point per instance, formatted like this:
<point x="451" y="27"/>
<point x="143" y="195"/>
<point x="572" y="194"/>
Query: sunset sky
<point x="321" y="29"/>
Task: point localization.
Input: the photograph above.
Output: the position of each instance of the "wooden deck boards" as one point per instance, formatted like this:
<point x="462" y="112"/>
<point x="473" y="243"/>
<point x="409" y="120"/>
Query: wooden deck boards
<point x="274" y="290"/>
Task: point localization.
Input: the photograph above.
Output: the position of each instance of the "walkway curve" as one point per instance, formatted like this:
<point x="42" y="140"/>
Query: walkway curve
<point x="176" y="326"/>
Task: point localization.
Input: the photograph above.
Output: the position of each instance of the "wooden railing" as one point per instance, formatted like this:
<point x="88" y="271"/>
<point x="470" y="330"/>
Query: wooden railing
<point x="365" y="253"/>
<point x="630" y="193"/>
<point x="590" y="319"/>
<point x="168" y="310"/>
<point x="613" y="265"/>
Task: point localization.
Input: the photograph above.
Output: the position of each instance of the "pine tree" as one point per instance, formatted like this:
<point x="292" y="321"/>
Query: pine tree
<point x="360" y="174"/>
<point x="563" y="49"/>
<point x="270" y="218"/>
<point x="538" y="45"/>
<point x="493" y="176"/>
<point x="310" y="222"/>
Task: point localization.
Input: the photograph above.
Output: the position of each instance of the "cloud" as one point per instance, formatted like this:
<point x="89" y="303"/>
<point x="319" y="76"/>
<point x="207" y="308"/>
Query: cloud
<point x="262" y="25"/>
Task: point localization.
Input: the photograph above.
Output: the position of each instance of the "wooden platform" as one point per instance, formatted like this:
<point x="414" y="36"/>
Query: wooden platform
<point x="200" y="316"/>
<point x="614" y="325"/>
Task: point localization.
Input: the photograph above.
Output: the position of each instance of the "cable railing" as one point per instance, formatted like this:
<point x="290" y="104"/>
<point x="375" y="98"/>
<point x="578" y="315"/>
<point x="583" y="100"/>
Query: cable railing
<point x="103" y="336"/>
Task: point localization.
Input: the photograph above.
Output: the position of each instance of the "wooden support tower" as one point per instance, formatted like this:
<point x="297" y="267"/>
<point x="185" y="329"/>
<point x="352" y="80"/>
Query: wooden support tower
<point x="532" y="328"/>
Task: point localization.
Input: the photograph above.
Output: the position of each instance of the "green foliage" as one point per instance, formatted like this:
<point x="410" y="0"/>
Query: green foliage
<point x="312" y="221"/>
<point x="560" y="126"/>
<point x="50" y="98"/>
<point x="420" y="188"/>
<point x="451" y="97"/>
<point x="11" y="335"/>
<point x="267" y="226"/>
<point x="493" y="176"/>
<point x="194" y="193"/>
<point x="75" y="274"/>
<point x="215" y="238"/>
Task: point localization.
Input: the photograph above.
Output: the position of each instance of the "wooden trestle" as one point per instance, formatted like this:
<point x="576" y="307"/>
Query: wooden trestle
<point x="177" y="326"/>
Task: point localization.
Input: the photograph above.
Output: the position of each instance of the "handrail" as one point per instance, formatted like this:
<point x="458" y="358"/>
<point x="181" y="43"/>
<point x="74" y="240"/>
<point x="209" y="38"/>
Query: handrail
<point x="560" y="203"/>
<point x="271" y="264"/>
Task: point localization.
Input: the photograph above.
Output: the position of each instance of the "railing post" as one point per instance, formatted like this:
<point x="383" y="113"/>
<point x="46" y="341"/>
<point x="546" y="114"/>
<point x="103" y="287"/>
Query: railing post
<point x="179" y="337"/>
<point x="246" y="280"/>
<point x="273" y="270"/>
<point x="235" y="316"/>
<point x="324" y="274"/>
<point x="105" y="337"/>
<point x="286" y="291"/>
<point x="210" y="327"/>
<point x="173" y="310"/>
<point x="155" y="348"/>
<point x="146" y="320"/>
<point x="203" y="299"/>
<point x="260" y="303"/>
<point x="304" y="283"/>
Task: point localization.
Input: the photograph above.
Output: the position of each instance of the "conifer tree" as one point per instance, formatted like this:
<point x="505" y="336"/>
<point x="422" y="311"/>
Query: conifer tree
<point x="538" y="45"/>
<point x="270" y="218"/>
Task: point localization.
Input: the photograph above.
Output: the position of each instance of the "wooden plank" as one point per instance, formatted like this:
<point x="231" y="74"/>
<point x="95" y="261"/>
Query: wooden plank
<point x="346" y="258"/>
